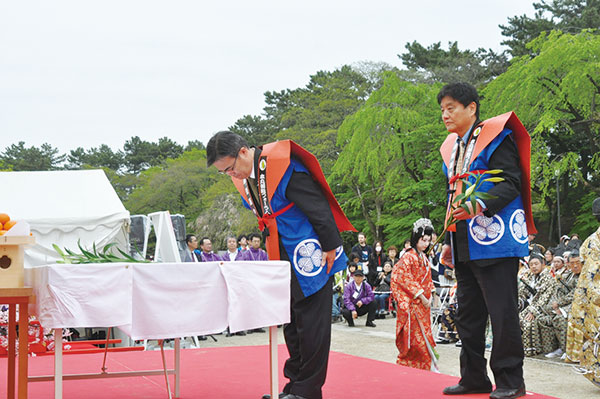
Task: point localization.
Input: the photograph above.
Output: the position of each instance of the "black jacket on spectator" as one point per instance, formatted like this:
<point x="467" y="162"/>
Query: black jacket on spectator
<point x="376" y="262"/>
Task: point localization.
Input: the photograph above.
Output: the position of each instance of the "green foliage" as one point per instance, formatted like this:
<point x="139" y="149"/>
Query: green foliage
<point x="312" y="114"/>
<point x="17" y="157"/>
<point x="104" y="255"/>
<point x="101" y="157"/>
<point x="177" y="186"/>
<point x="194" y="144"/>
<point x="140" y="154"/>
<point x="570" y="16"/>
<point x="585" y="223"/>
<point x="384" y="176"/>
<point x="555" y="96"/>
<point x="434" y="64"/>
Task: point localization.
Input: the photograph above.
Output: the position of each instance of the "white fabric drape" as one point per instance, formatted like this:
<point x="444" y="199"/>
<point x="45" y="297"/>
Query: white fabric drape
<point x="163" y="300"/>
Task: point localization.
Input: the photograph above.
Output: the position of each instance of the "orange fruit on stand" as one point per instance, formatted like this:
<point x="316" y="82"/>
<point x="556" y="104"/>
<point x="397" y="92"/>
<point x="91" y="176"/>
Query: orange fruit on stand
<point x="4" y="218"/>
<point x="1" y="226"/>
<point x="8" y="225"/>
<point x="2" y="232"/>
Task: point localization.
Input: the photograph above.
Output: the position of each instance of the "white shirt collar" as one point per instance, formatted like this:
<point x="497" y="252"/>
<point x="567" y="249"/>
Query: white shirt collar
<point x="358" y="287"/>
<point x="253" y="173"/>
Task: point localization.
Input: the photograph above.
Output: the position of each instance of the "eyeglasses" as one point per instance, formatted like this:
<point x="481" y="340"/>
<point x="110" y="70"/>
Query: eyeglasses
<point x="230" y="169"/>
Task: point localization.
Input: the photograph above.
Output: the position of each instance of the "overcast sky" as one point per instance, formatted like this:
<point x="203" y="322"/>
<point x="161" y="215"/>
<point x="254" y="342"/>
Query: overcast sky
<point x="83" y="73"/>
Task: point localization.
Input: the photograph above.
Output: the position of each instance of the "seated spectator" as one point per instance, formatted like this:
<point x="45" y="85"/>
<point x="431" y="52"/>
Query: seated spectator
<point x="338" y="290"/>
<point x="242" y="242"/>
<point x="191" y="255"/>
<point x="574" y="243"/>
<point x="233" y="253"/>
<point x="376" y="261"/>
<point x="534" y="294"/>
<point x="406" y="247"/>
<point x="549" y="256"/>
<point x="447" y="332"/>
<point x="382" y="289"/>
<point x="553" y="325"/>
<point x="558" y="266"/>
<point x="534" y="247"/>
<point x="352" y="266"/>
<point x="359" y="300"/>
<point x="255" y="252"/>
<point x="393" y="254"/>
<point x="207" y="254"/>
<point x="562" y="245"/>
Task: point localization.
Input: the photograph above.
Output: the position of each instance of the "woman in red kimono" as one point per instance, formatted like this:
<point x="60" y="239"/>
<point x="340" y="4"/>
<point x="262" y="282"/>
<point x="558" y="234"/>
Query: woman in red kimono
<point x="412" y="288"/>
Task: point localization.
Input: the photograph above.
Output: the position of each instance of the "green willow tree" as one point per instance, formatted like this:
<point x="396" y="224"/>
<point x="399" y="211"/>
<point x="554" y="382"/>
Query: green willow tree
<point x="389" y="170"/>
<point x="557" y="95"/>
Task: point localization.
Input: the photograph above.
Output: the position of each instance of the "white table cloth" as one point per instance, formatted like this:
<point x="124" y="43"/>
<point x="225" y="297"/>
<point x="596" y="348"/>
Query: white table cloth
<point x="162" y="300"/>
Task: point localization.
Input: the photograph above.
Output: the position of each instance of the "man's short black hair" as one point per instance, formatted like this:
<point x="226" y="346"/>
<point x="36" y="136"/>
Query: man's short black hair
<point x="251" y="236"/>
<point x="202" y="240"/>
<point x="188" y="238"/>
<point x="462" y="92"/>
<point x="223" y="144"/>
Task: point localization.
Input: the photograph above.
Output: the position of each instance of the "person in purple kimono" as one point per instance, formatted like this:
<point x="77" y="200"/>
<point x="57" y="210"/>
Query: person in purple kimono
<point x="207" y="255"/>
<point x="255" y="252"/>
<point x="359" y="300"/>
<point x="233" y="253"/>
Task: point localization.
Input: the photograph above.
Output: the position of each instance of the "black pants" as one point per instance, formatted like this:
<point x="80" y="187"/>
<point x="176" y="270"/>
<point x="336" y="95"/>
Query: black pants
<point x="482" y="291"/>
<point x="308" y="338"/>
<point x="370" y="309"/>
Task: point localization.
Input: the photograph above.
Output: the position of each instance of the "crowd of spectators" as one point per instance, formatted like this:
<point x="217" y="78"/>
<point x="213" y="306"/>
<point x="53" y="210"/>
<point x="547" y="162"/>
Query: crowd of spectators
<point x="547" y="281"/>
<point x="243" y="247"/>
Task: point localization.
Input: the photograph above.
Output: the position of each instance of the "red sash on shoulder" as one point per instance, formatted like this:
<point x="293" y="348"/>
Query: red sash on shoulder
<point x="490" y="129"/>
<point x="278" y="159"/>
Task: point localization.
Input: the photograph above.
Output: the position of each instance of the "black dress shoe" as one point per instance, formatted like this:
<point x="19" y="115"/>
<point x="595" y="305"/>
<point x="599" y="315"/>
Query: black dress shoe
<point x="281" y="395"/>
<point x="507" y="393"/>
<point x="462" y="390"/>
<point x="370" y="324"/>
<point x="292" y="396"/>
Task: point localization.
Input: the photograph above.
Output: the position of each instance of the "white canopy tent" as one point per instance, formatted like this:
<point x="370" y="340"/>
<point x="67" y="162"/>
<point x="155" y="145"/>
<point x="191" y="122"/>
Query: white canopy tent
<point x="63" y="207"/>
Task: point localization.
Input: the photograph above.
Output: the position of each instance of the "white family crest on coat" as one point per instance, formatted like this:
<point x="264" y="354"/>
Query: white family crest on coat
<point x="308" y="256"/>
<point x="518" y="226"/>
<point x="485" y="230"/>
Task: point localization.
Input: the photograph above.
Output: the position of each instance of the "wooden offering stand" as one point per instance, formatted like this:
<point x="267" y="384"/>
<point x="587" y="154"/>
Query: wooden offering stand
<point x="13" y="293"/>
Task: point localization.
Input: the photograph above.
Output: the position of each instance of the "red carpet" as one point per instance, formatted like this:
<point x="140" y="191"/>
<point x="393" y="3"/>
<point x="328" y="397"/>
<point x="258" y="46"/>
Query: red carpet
<point x="233" y="372"/>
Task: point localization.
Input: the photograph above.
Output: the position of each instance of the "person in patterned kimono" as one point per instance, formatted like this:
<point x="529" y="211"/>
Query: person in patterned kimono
<point x="553" y="324"/>
<point x="583" y="332"/>
<point x="535" y="293"/>
<point x="412" y="289"/>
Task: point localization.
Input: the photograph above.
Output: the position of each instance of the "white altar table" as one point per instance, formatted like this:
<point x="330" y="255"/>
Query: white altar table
<point x="163" y="300"/>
